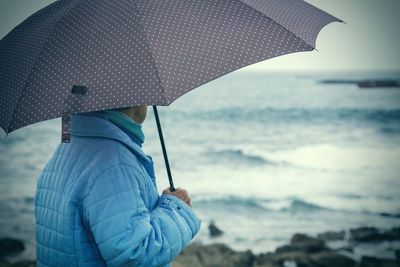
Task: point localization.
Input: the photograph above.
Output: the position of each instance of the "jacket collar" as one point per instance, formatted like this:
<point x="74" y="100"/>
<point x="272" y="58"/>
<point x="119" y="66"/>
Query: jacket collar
<point x="125" y="123"/>
<point x="87" y="125"/>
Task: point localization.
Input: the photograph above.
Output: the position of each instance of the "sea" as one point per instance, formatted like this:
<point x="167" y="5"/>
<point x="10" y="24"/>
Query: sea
<point x="263" y="155"/>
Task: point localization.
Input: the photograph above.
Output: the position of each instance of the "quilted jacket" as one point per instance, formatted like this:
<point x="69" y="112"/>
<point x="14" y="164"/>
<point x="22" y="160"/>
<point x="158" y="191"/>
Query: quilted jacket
<point x="97" y="204"/>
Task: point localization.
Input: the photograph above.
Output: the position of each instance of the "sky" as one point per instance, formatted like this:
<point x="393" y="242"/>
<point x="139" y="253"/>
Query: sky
<point x="369" y="41"/>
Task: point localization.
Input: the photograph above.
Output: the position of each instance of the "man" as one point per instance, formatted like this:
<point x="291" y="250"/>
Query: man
<point x="97" y="203"/>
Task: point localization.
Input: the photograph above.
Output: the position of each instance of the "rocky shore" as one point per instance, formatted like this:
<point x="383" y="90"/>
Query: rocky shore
<point x="329" y="249"/>
<point x="380" y="83"/>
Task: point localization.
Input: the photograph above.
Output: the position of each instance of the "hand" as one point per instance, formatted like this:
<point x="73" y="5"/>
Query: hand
<point x="181" y="194"/>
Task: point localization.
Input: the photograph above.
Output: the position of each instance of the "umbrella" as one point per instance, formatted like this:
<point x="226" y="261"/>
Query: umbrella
<point x="77" y="56"/>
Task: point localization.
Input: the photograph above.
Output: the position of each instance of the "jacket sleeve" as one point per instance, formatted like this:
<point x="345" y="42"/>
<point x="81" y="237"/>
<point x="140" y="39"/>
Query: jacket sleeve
<point x="126" y="232"/>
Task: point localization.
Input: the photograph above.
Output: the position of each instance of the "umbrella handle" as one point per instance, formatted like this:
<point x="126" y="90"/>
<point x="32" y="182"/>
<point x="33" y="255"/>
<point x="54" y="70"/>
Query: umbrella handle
<point x="164" y="150"/>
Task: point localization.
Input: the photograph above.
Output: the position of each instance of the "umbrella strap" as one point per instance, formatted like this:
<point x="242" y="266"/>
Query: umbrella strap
<point x="71" y="104"/>
<point x="66" y="128"/>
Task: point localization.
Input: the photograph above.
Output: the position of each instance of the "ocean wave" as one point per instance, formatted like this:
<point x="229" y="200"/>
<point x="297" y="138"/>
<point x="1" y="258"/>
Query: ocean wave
<point x="390" y="215"/>
<point x="284" y="115"/>
<point x="278" y="205"/>
<point x="390" y="129"/>
<point x="291" y="205"/>
<point x="237" y="156"/>
<point x="230" y="201"/>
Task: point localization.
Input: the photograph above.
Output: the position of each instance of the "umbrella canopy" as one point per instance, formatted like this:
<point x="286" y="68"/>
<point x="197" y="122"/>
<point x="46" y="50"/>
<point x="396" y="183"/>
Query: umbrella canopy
<point x="78" y="56"/>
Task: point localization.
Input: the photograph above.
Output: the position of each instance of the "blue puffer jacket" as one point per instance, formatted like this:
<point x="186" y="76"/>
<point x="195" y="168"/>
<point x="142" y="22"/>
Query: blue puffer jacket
<point x="97" y="204"/>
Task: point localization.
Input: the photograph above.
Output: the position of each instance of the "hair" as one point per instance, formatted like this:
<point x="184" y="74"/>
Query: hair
<point x="134" y="109"/>
<point x="137" y="113"/>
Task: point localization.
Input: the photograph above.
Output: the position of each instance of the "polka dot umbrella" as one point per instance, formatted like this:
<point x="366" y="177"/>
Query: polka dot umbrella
<point x="78" y="56"/>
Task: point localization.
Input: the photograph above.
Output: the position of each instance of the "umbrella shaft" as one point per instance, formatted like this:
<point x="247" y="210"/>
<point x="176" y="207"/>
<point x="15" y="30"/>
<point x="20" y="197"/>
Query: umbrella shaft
<point x="164" y="150"/>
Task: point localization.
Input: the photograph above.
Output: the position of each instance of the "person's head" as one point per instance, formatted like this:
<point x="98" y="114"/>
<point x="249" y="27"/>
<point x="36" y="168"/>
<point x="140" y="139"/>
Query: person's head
<point x="138" y="113"/>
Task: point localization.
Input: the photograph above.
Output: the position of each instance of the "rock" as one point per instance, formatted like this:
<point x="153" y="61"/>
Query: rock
<point x="328" y="259"/>
<point x="187" y="260"/>
<point x="384" y="214"/>
<point x="215" y="255"/>
<point x="346" y="248"/>
<point x="365" y="234"/>
<point x="338" y="81"/>
<point x="307" y="243"/>
<point x="393" y="234"/>
<point x="304" y="243"/>
<point x="378" y="83"/>
<point x="367" y="261"/>
<point x="298" y="258"/>
<point x="287" y="248"/>
<point x="9" y="246"/>
<point x="331" y="236"/>
<point x="214" y="230"/>
<point x="244" y="259"/>
<point x="371" y="234"/>
<point x="4" y="263"/>
<point x="24" y="264"/>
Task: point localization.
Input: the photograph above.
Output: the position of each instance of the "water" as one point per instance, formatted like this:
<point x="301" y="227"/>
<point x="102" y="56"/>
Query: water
<point x="265" y="155"/>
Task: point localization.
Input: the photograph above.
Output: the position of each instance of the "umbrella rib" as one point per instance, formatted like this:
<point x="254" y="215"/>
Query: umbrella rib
<point x="278" y="24"/>
<point x="35" y="64"/>
<point x="151" y="54"/>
